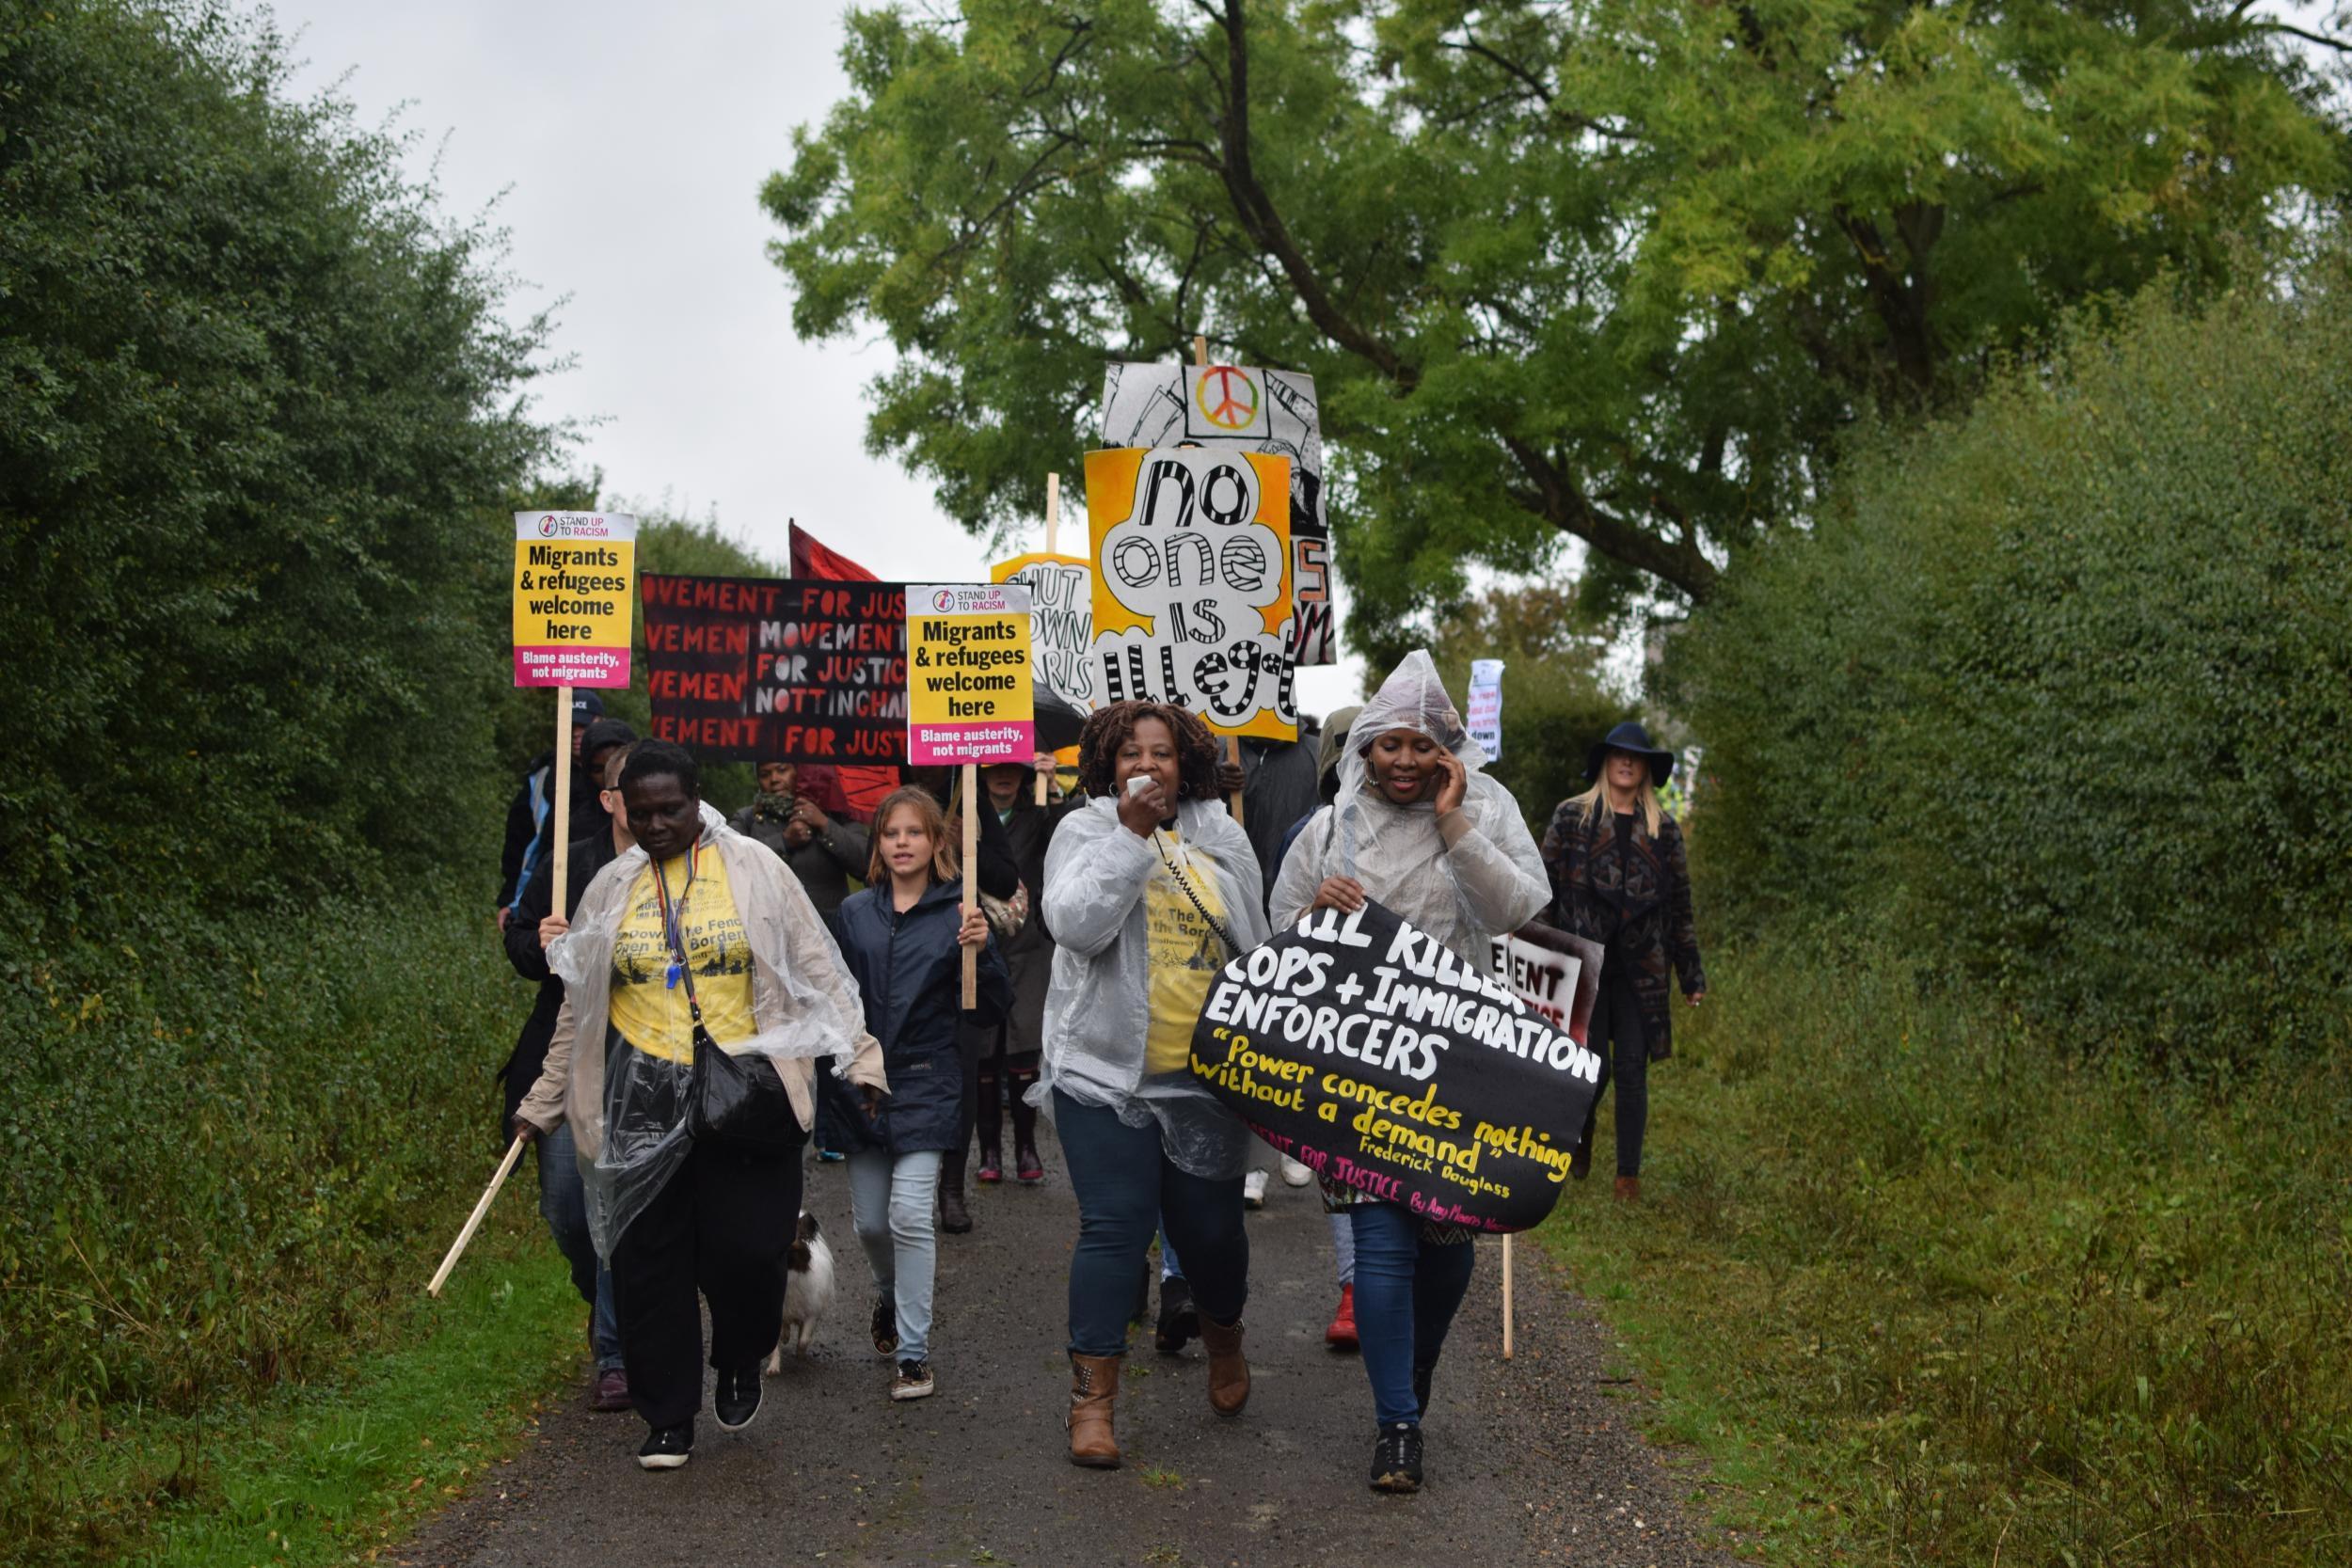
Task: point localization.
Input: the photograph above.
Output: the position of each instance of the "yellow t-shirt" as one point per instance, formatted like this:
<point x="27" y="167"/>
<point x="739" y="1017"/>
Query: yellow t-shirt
<point x="650" y="1013"/>
<point x="1185" y="954"/>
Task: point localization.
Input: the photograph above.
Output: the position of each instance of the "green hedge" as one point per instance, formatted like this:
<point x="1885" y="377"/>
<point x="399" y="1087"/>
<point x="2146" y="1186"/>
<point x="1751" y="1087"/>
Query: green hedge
<point x="259" y="420"/>
<point x="2058" y="697"/>
<point x="225" y="1154"/>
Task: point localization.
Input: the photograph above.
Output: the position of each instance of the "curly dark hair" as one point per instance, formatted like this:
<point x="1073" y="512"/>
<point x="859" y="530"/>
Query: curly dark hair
<point x="1198" y="751"/>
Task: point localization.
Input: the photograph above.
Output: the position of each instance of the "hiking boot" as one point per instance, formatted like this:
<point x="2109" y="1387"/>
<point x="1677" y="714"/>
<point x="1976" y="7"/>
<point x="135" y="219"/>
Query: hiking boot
<point x="1342" y="1334"/>
<point x="1396" y="1458"/>
<point x="1179" y="1324"/>
<point x="738" y="1398"/>
<point x="666" y="1448"/>
<point x="914" y="1381"/>
<point x="954" y="1218"/>
<point x="885" y="1327"/>
<point x="1093" y="1397"/>
<point x="1229" y="1370"/>
<point x="612" y="1390"/>
<point x="1628" y="1189"/>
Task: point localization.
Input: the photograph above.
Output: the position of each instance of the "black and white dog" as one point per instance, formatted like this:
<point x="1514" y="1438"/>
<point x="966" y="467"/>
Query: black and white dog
<point x="807" y="1292"/>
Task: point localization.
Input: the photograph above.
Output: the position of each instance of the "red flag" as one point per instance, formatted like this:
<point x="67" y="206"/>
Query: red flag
<point x="863" y="788"/>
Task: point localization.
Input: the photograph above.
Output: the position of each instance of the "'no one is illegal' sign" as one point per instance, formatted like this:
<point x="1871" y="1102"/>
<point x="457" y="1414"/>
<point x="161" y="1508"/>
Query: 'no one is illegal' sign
<point x="573" y="575"/>
<point x="1364" y="1048"/>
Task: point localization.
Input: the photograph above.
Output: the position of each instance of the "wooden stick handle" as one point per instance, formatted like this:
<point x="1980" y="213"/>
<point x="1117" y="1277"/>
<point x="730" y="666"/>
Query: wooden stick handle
<point x="1506" y="1298"/>
<point x="1052" y="547"/>
<point x="1199" y="348"/>
<point x="563" y="797"/>
<point x="474" y="1221"/>
<point x="971" y="879"/>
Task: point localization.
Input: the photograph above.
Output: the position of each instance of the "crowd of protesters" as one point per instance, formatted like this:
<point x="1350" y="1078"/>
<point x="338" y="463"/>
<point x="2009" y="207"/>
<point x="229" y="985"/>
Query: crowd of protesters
<point x="816" y="960"/>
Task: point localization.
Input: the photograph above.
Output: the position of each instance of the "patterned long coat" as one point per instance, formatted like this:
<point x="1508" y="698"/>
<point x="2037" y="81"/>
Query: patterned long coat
<point x="1637" y="906"/>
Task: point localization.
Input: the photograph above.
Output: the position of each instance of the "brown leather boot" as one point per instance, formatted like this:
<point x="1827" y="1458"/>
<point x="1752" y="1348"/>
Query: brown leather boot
<point x="1229" y="1374"/>
<point x="1630" y="1188"/>
<point x="1093" y="1393"/>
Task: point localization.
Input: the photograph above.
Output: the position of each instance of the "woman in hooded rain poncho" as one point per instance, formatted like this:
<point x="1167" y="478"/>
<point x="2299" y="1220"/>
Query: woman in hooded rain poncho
<point x="1417" y="827"/>
<point x="1150" y="889"/>
<point x="695" y="926"/>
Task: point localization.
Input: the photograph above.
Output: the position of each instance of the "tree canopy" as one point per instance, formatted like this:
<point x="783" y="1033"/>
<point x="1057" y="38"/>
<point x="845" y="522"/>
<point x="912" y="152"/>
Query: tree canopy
<point x="1619" y="271"/>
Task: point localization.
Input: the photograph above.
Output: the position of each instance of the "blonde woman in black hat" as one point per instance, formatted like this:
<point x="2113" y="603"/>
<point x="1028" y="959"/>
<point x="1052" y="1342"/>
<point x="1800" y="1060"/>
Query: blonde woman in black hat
<point x="1620" y="877"/>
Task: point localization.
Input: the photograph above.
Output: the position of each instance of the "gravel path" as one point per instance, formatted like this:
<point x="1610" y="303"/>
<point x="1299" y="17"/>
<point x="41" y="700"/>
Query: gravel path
<point x="1530" y="1461"/>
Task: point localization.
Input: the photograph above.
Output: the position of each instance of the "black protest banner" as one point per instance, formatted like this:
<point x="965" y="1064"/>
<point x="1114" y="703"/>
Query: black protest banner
<point x="1375" y="1055"/>
<point x="791" y="668"/>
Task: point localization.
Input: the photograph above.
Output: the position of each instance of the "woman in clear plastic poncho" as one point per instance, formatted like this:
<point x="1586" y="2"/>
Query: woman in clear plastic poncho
<point x="1417" y="827"/>
<point x="697" y="915"/>
<point x="1150" y="889"/>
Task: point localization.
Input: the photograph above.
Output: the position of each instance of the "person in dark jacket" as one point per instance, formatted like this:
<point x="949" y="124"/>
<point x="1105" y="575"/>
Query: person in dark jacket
<point x="824" y="851"/>
<point x="1006" y="1054"/>
<point x="563" y="1198"/>
<point x="1281" y="786"/>
<point x="902" y="939"/>
<point x="531" y="813"/>
<point x="1619" y="877"/>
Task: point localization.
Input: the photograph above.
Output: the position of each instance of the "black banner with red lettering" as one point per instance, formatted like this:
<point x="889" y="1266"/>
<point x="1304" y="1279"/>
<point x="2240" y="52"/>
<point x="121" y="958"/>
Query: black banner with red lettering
<point x="791" y="668"/>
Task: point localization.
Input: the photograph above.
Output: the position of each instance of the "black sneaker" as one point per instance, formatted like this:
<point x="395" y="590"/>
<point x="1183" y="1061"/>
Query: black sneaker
<point x="1179" y="1323"/>
<point x="667" y="1448"/>
<point x="738" y="1398"/>
<point x="885" y="1327"/>
<point x="1396" y="1458"/>
<point x="914" y="1381"/>
<point x="1422" y="1376"/>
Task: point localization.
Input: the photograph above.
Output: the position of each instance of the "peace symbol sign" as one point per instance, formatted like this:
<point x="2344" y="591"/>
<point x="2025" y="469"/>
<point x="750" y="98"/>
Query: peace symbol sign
<point x="1227" y="398"/>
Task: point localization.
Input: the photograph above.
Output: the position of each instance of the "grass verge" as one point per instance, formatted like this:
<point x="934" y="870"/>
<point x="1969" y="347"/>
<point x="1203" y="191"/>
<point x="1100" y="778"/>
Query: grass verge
<point x="339" y="1471"/>
<point x="1926" y="1292"/>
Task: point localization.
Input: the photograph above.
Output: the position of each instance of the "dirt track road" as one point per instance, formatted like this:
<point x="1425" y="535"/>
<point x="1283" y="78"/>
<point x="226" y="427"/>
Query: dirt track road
<point x="1533" y="1461"/>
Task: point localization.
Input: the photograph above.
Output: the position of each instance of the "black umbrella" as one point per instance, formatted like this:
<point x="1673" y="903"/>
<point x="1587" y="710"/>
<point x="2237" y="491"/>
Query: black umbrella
<point x="1058" y="720"/>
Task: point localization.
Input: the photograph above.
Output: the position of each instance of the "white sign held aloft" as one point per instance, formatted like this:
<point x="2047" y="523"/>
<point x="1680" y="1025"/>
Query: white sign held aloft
<point x="1485" y="707"/>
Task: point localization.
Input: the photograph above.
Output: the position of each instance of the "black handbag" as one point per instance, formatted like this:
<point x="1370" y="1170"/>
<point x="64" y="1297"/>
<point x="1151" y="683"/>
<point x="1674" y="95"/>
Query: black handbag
<point x="737" y="1107"/>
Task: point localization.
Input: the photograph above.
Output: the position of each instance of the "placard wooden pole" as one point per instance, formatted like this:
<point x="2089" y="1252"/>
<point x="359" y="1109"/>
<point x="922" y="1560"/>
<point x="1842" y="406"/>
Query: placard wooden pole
<point x="1053" y="542"/>
<point x="563" y="797"/>
<point x="1233" y="743"/>
<point x="971" y="879"/>
<point x="513" y="1152"/>
<point x="1506" y="1298"/>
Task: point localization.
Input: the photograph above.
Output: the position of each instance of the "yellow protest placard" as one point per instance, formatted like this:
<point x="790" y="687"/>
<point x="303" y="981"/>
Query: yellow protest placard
<point x="574" y="573"/>
<point x="1192" y="584"/>
<point x="969" y="697"/>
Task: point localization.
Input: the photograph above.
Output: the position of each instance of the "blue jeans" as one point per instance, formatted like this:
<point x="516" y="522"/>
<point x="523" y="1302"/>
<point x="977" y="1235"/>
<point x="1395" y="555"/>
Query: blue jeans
<point x="1406" y="1293"/>
<point x="564" y="1204"/>
<point x="890" y="1203"/>
<point x="1127" y="1188"/>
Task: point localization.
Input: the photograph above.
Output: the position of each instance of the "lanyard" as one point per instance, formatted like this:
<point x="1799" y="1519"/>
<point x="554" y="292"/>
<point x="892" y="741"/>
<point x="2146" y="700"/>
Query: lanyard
<point x="674" y="916"/>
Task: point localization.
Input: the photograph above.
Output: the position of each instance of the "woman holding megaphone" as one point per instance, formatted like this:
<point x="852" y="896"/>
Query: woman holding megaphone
<point x="1415" y="826"/>
<point x="1150" y="889"/>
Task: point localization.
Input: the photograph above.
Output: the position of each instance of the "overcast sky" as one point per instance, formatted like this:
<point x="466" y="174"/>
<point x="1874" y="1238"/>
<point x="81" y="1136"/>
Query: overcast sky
<point x="623" y="148"/>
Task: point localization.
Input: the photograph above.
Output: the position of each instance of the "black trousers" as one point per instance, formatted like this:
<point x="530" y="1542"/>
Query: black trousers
<point x="1623" y="1046"/>
<point x="723" y="1228"/>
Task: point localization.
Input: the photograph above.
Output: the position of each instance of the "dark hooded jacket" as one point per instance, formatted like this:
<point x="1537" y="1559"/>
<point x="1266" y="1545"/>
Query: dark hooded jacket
<point x="908" y="969"/>
<point x="589" y="856"/>
<point x="1636" y="904"/>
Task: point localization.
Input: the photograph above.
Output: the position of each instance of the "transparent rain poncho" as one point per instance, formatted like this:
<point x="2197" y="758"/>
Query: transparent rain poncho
<point x="627" y="1107"/>
<point x="1490" y="879"/>
<point x="1098" y="1005"/>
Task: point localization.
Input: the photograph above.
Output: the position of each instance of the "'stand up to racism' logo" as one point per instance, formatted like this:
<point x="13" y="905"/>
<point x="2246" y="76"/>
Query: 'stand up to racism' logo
<point x="943" y="600"/>
<point x="547" y="525"/>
